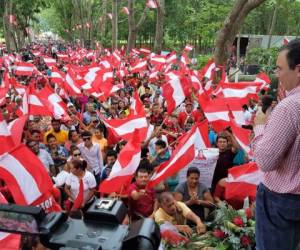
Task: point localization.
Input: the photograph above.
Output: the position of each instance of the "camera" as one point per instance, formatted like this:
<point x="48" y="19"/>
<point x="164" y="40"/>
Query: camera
<point x="100" y="228"/>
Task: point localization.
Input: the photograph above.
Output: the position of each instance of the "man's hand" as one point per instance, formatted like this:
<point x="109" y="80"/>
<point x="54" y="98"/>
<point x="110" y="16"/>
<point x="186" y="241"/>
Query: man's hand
<point x="185" y="229"/>
<point x="201" y="228"/>
<point x="260" y="118"/>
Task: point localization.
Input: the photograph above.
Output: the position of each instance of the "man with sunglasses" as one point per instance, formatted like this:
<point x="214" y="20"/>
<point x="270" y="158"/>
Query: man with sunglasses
<point x="92" y="154"/>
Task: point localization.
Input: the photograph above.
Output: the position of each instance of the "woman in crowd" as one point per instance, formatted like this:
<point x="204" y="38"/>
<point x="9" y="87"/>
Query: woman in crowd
<point x="193" y="193"/>
<point x="78" y="175"/>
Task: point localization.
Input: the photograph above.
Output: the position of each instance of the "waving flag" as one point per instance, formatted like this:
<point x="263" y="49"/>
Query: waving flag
<point x="184" y="153"/>
<point x="175" y="91"/>
<point x="139" y="66"/>
<point x="152" y="4"/>
<point x="27" y="178"/>
<point x="242" y="182"/>
<point x="125" y="10"/>
<point x="136" y="106"/>
<point x="50" y="62"/>
<point x="24" y="69"/>
<point x="188" y="48"/>
<point x="16" y="128"/>
<point x="124" y="168"/>
<point x="124" y="128"/>
<point x="6" y="140"/>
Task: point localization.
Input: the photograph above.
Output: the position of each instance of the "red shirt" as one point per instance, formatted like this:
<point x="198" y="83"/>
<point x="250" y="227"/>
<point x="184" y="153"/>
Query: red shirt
<point x="145" y="204"/>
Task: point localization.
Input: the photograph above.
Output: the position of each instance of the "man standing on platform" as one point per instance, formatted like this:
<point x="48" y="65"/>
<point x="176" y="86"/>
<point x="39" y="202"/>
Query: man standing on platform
<point x="277" y="152"/>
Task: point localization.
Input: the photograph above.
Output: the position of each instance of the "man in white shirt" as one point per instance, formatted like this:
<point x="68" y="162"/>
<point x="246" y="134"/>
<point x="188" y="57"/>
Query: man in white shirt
<point x="92" y="154"/>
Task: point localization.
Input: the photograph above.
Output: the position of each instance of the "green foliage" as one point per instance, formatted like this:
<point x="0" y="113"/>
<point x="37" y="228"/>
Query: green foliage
<point x="266" y="58"/>
<point x="202" y="60"/>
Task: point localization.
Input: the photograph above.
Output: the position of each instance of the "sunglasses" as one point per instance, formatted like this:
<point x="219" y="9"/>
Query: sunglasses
<point x="86" y="138"/>
<point x="95" y="121"/>
<point x="75" y="155"/>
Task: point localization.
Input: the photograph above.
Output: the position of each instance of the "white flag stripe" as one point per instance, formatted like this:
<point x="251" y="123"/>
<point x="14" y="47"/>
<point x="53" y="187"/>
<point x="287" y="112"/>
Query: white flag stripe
<point x="178" y="93"/>
<point x="24" y="68"/>
<point x="215" y="116"/>
<point x="71" y="84"/>
<point x="130" y="126"/>
<point x="34" y="100"/>
<point x="25" y="180"/>
<point x="190" y="143"/>
<point x="229" y="92"/>
<point x="209" y="70"/>
<point x="3" y="129"/>
<point x="118" y="170"/>
<point x="254" y="178"/>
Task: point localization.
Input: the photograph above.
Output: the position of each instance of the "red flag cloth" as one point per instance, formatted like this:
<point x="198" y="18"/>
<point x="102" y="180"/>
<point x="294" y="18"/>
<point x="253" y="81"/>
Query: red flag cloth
<point x="6" y="140"/>
<point x="79" y="199"/>
<point x="184" y="153"/>
<point x="242" y="182"/>
<point x="124" y="168"/>
<point x="16" y="129"/>
<point x="26" y="177"/>
<point x="9" y="241"/>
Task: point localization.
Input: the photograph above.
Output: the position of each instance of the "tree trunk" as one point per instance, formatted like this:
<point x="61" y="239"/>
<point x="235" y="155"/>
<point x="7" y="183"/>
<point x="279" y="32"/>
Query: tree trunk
<point x="272" y="26"/>
<point x="132" y="26"/>
<point x="82" y="36"/>
<point x="103" y="21"/>
<point x="115" y="24"/>
<point x="231" y="27"/>
<point x="159" y="30"/>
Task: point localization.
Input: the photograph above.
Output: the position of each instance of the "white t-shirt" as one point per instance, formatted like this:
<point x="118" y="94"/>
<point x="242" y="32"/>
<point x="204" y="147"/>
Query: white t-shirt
<point x="89" y="182"/>
<point x="61" y="178"/>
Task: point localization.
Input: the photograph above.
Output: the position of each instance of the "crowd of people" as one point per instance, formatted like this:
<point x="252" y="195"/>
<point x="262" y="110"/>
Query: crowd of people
<point x="81" y="150"/>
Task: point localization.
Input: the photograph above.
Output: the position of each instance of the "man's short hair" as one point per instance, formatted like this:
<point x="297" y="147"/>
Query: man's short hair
<point x="165" y="197"/>
<point x="192" y="170"/>
<point x="86" y="134"/>
<point x="161" y="143"/>
<point x="49" y="136"/>
<point x="112" y="152"/>
<point x="221" y="136"/>
<point x="141" y="170"/>
<point x="293" y="54"/>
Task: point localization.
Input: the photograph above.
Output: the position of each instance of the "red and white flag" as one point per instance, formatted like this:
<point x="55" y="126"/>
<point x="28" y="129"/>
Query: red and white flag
<point x="9" y="241"/>
<point x="54" y="103"/>
<point x="208" y="70"/>
<point x="184" y="60"/>
<point x="124" y="168"/>
<point x="264" y="79"/>
<point x="152" y="4"/>
<point x="136" y="106"/>
<point x="184" y="153"/>
<point x="16" y="128"/>
<point x="175" y="91"/>
<point x="125" y="10"/>
<point x="50" y="62"/>
<point x="24" y="69"/>
<point x="6" y="140"/>
<point x="145" y="51"/>
<point x="27" y="178"/>
<point x="188" y="48"/>
<point x="241" y="89"/>
<point x="285" y="41"/>
<point x="242" y="182"/>
<point x="139" y="66"/>
<point x="57" y="76"/>
<point x="242" y="136"/>
<point x="124" y="128"/>
<point x="71" y="84"/>
<point x="216" y="111"/>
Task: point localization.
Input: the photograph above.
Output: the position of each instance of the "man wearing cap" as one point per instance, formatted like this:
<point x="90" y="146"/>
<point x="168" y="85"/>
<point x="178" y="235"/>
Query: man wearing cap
<point x="187" y="113"/>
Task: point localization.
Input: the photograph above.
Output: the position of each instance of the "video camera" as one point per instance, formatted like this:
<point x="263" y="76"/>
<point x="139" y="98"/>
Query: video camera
<point x="100" y="228"/>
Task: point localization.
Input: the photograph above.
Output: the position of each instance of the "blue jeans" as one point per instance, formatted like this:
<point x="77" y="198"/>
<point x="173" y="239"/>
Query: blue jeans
<point x="277" y="220"/>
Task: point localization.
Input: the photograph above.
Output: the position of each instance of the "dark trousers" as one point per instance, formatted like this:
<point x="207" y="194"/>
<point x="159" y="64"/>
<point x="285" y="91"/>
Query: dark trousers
<point x="277" y="220"/>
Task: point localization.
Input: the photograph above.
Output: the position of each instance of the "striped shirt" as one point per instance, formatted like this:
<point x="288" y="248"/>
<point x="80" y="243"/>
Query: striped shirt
<point x="277" y="146"/>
